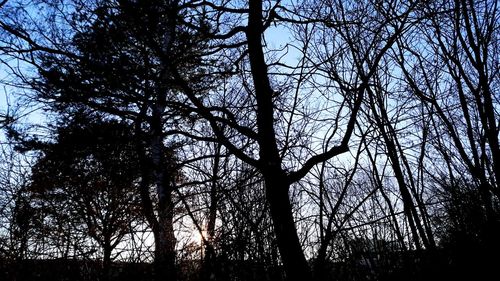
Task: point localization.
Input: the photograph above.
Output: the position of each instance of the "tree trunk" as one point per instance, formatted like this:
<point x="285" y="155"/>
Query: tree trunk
<point x="292" y="255"/>
<point x="163" y="180"/>
<point x="275" y="178"/>
<point x="165" y="256"/>
<point x="164" y="263"/>
<point x="390" y="139"/>
<point x="209" y="262"/>
<point x="106" y="260"/>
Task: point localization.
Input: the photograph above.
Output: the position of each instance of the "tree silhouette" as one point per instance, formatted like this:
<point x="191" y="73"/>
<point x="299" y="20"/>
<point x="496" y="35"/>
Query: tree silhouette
<point x="119" y="64"/>
<point x="88" y="177"/>
<point x="356" y="139"/>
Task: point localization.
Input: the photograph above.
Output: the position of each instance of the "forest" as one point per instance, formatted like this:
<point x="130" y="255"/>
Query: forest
<point x="199" y="140"/>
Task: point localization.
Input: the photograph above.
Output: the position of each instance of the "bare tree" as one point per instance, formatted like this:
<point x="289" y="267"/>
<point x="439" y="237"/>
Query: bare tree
<point x="451" y="67"/>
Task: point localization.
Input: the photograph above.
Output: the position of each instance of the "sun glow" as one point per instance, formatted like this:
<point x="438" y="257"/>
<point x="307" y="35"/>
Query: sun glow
<point x="198" y="236"/>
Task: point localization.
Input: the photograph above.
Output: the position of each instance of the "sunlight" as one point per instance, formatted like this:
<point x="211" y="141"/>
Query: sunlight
<point x="199" y="236"/>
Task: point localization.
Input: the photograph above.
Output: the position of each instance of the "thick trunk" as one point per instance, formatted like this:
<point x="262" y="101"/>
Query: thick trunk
<point x="106" y="260"/>
<point x="165" y="255"/>
<point x="276" y="181"/>
<point x="163" y="180"/>
<point x="292" y="255"/>
<point x="164" y="264"/>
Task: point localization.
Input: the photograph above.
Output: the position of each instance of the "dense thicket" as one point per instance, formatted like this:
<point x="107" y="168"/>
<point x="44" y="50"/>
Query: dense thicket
<point x="252" y="140"/>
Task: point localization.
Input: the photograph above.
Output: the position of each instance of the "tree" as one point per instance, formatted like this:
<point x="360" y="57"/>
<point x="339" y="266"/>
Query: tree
<point x="451" y="68"/>
<point x="276" y="108"/>
<point x="89" y="172"/>
<point x="414" y="208"/>
<point x="116" y="59"/>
